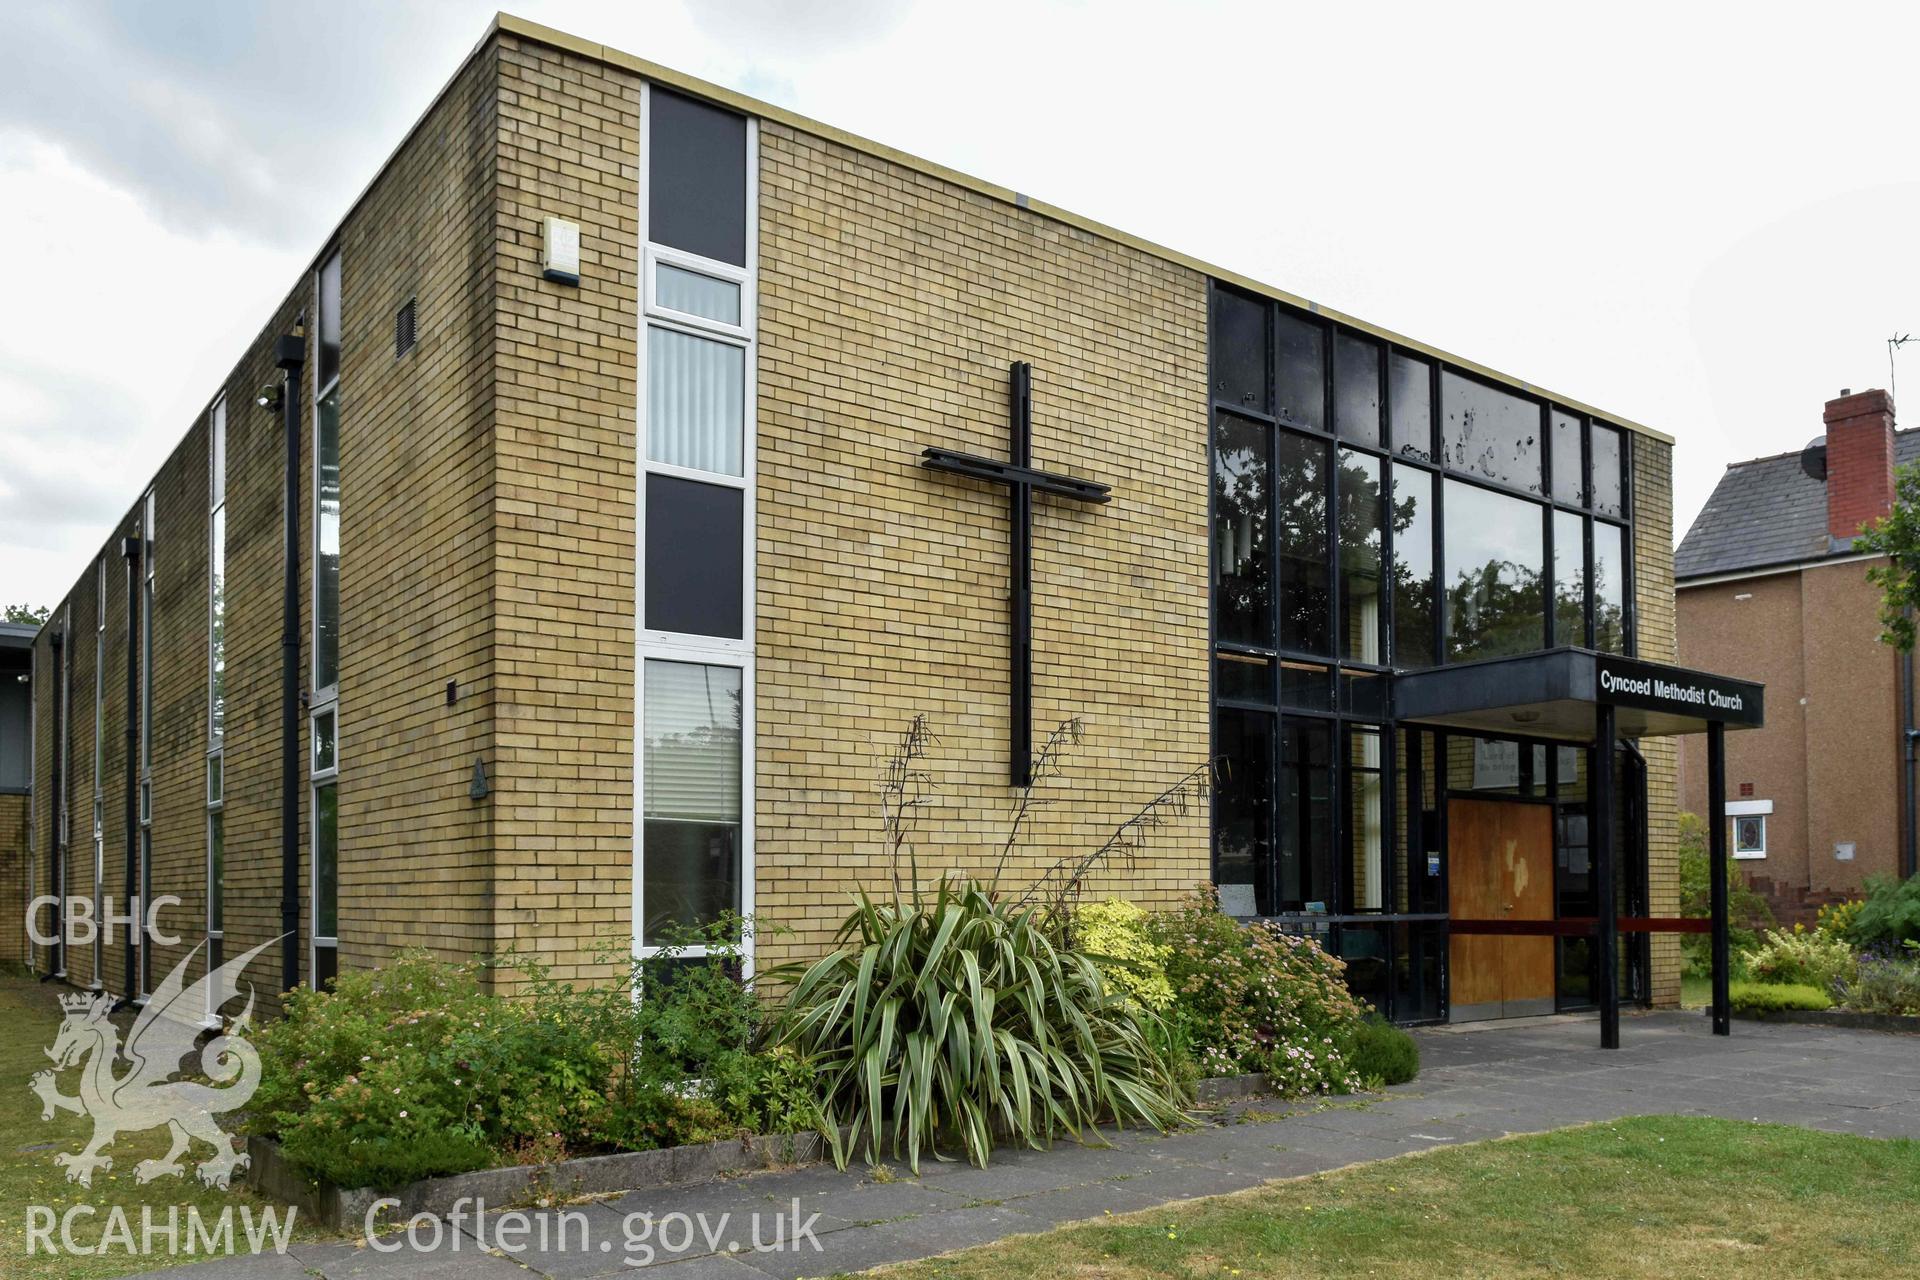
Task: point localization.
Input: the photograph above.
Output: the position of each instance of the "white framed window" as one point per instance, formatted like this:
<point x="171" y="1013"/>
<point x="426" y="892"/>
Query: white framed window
<point x="99" y="768"/>
<point x="1747" y="827"/>
<point x="323" y="717"/>
<point x="216" y="686"/>
<point x="149" y="514"/>
<point x="694" y="659"/>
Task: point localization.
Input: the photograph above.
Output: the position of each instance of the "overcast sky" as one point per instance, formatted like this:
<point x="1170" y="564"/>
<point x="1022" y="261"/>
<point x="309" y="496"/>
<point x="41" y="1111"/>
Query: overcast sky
<point x="1701" y="217"/>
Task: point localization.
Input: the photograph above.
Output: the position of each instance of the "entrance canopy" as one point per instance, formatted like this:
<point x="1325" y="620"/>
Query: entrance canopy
<point x="1554" y="693"/>
<point x="1578" y="695"/>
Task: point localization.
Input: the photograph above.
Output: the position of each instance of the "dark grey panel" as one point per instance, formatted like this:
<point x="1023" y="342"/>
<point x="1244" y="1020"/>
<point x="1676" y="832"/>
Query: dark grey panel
<point x="694" y="557"/>
<point x="697" y="178"/>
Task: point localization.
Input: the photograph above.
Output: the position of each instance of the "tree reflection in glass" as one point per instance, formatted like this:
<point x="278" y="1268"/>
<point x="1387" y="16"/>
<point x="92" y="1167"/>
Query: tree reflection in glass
<point x="1242" y="558"/>
<point x="1494" y="573"/>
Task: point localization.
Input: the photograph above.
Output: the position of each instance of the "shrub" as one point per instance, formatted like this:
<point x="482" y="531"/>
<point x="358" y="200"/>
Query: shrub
<point x="1381" y="1053"/>
<point x="952" y="1018"/>
<point x="1836" y="918"/>
<point x="1802" y="957"/>
<point x="1114" y="935"/>
<point x="1885" y="985"/>
<point x="1250" y="998"/>
<point x="1747" y="912"/>
<point x="1772" y="997"/>
<point x="1889" y="915"/>
<point x="414" y="1070"/>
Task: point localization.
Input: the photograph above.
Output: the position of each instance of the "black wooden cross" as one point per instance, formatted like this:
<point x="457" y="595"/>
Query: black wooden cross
<point x="1022" y="480"/>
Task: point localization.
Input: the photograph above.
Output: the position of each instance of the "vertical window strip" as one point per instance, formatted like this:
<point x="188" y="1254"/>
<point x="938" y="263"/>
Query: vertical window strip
<point x="148" y="556"/>
<point x="694" y="693"/>
<point x="216" y="684"/>
<point x="99" y="763"/>
<point x="324" y="713"/>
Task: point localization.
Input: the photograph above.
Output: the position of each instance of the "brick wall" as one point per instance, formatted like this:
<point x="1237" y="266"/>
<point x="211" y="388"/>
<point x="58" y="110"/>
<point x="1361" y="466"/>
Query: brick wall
<point x="1654" y="635"/>
<point x="891" y="305"/>
<point x="564" y="509"/>
<point x="415" y="585"/>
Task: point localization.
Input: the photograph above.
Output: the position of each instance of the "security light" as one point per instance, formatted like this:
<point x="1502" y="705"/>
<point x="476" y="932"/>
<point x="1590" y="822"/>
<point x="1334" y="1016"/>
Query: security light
<point x="269" y="397"/>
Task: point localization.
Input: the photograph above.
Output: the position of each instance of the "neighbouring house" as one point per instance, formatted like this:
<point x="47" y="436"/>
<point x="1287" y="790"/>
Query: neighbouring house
<point x="659" y="453"/>
<point x="16" y="786"/>
<point x="1770" y="587"/>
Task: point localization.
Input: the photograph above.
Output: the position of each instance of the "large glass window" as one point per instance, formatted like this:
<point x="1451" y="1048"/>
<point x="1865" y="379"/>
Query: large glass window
<point x="323" y="710"/>
<point x="1305" y="816"/>
<point x="1410" y="391"/>
<point x="1366" y="821"/>
<point x="1569" y="461"/>
<point x="1242" y="556"/>
<point x="693" y="715"/>
<point x="1362" y="555"/>
<point x="1243" y="812"/>
<point x="1299" y="374"/>
<point x="1490" y="433"/>
<point x="1494" y="568"/>
<point x="1306" y="606"/>
<point x="1608" y="455"/>
<point x="1242" y="340"/>
<point x="1569" y="578"/>
<point x="1609" y="588"/>
<point x="327" y="367"/>
<point x="1413" y="583"/>
<point x="1356" y="388"/>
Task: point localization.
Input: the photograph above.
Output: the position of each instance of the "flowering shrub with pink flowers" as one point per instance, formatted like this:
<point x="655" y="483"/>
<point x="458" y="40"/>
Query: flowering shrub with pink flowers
<point x="1249" y="998"/>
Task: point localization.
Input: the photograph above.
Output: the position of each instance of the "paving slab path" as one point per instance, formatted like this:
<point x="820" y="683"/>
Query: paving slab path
<point x="1475" y="1082"/>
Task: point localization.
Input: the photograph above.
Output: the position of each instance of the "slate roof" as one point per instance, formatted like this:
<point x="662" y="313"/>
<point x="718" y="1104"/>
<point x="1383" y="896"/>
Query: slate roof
<point x="1766" y="512"/>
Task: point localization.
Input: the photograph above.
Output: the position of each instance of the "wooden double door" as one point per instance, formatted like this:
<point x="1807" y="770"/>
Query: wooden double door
<point x="1499" y="867"/>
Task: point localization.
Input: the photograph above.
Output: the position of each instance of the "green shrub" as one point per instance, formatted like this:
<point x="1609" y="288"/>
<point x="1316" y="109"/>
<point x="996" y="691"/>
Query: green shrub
<point x="1770" y="997"/>
<point x="1889" y="915"/>
<point x="1747" y="912"/>
<point x="1250" y="998"/>
<point x="414" y="1070"/>
<point x="1381" y="1053"/>
<point x="1114" y="934"/>
<point x="1802" y="957"/>
<point x="946" y="1019"/>
<point x="1885" y="985"/>
<point x="1836" y="918"/>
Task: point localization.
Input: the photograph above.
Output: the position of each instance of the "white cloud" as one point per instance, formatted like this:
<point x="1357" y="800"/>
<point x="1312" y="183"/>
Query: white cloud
<point x="1698" y="223"/>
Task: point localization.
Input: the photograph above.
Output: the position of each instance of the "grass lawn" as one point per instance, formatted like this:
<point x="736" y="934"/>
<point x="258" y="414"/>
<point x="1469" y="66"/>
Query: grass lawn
<point x="31" y="1014"/>
<point x="1696" y="991"/>
<point x="1657" y="1197"/>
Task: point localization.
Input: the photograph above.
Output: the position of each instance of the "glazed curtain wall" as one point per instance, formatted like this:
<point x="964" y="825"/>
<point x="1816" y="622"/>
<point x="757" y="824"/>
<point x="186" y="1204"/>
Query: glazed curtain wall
<point x="1375" y="510"/>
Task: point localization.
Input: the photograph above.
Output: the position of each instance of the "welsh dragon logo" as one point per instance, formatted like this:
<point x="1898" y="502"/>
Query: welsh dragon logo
<point x="144" y="1096"/>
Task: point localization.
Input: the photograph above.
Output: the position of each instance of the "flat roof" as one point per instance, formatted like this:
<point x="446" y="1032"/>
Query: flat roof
<point x="516" y="26"/>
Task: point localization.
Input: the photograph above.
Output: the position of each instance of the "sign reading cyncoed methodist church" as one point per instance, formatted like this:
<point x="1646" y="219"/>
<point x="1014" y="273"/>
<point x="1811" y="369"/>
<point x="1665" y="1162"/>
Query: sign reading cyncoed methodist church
<point x="1627" y="683"/>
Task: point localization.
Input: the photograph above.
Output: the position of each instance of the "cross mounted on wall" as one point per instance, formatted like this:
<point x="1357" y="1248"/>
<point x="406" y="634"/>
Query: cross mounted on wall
<point x="1023" y="480"/>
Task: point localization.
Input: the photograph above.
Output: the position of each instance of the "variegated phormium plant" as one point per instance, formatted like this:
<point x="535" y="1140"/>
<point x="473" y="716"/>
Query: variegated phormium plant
<point x="957" y="1019"/>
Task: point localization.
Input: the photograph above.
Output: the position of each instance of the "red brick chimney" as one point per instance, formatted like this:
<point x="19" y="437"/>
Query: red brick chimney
<point x="1859" y="460"/>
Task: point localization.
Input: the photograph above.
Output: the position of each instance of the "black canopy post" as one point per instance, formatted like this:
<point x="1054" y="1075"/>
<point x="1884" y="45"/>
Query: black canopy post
<point x="1607" y="923"/>
<point x="1717" y="874"/>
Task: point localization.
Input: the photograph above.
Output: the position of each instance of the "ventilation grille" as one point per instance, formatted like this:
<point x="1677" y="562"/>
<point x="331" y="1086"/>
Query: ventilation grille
<point x="403" y="330"/>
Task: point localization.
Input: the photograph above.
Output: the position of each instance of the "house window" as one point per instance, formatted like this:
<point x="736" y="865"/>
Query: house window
<point x="1747" y="820"/>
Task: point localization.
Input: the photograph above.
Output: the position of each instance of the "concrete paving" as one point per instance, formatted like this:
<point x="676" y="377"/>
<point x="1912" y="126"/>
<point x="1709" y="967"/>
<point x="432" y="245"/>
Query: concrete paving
<point x="1476" y="1082"/>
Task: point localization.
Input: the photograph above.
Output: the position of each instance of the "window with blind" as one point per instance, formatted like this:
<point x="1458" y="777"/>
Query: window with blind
<point x="691" y="770"/>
